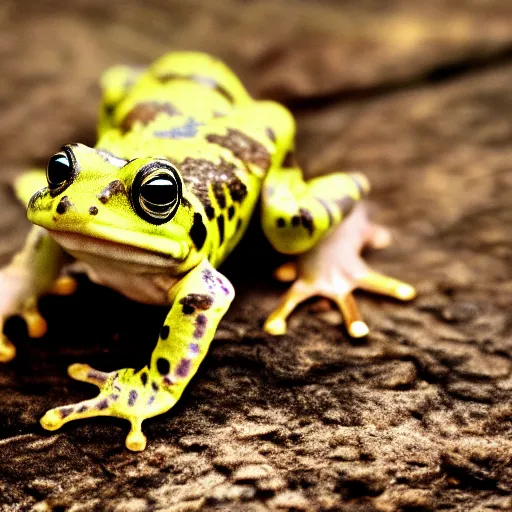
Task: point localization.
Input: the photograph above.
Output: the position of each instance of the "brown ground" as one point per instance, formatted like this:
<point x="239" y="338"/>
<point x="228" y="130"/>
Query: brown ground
<point x="417" y="417"/>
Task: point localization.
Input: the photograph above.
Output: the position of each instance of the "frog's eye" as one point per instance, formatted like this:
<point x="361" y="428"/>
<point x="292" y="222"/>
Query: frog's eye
<point x="59" y="171"/>
<point x="156" y="192"/>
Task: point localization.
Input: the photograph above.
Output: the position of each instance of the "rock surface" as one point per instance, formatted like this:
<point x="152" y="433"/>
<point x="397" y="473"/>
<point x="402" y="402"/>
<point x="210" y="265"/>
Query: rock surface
<point x="416" y="417"/>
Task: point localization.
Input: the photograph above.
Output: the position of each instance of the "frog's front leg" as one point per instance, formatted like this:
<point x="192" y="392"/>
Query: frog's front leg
<point x="200" y="300"/>
<point x="334" y="268"/>
<point x="31" y="273"/>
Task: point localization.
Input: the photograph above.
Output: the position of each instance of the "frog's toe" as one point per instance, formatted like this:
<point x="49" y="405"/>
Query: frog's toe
<point x="298" y="292"/>
<point x="7" y="349"/>
<point x="287" y="272"/>
<point x="356" y="327"/>
<point x="36" y="324"/>
<point x="337" y="284"/>
<point x="64" y="285"/>
<point x="384" y="285"/>
<point x="275" y="324"/>
<point x="85" y="373"/>
<point x="55" y="418"/>
<point x="379" y="237"/>
<point x="52" y="420"/>
<point x="123" y="394"/>
<point x="136" y="440"/>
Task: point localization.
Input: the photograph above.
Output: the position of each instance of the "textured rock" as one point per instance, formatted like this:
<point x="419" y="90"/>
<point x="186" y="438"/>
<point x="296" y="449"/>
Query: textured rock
<point x="416" y="417"/>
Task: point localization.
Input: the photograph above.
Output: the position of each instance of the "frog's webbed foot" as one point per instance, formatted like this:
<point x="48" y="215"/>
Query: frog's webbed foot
<point x="11" y="286"/>
<point x="14" y="299"/>
<point x="334" y="269"/>
<point x="124" y="394"/>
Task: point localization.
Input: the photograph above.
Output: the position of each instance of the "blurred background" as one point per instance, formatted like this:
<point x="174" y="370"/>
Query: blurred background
<point x="417" y="95"/>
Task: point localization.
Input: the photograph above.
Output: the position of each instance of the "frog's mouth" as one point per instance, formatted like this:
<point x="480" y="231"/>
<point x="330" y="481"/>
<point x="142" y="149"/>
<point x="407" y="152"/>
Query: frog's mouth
<point x="119" y="250"/>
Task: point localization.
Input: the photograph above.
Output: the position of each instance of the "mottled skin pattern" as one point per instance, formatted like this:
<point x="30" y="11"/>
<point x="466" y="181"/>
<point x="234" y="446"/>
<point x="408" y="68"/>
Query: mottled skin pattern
<point x="186" y="126"/>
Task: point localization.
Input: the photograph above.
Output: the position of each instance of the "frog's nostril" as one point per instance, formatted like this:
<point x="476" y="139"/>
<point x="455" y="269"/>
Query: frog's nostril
<point x="64" y="205"/>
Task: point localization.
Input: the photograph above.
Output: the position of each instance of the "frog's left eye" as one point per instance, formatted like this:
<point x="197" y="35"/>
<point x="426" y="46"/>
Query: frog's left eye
<point x="59" y="172"/>
<point x="156" y="192"/>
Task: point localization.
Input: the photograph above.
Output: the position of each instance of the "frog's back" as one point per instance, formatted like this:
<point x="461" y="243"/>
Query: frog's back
<point x="180" y="85"/>
<point x="191" y="109"/>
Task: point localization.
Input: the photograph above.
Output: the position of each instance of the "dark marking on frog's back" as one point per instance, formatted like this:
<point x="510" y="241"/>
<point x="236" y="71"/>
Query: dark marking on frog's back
<point x="196" y="301"/>
<point x="64" y="205"/>
<point x="200" y="175"/>
<point x="93" y="210"/>
<point x="218" y="192"/>
<point x="289" y="160"/>
<point x="243" y="147"/>
<point x="113" y="188"/>
<point x="144" y="378"/>
<point x="231" y="212"/>
<point x="109" y="109"/>
<point x="199" y="79"/>
<point x="145" y="112"/>
<point x="185" y="131"/>
<point x="198" y="231"/>
<point x="271" y="134"/>
<point x="210" y="211"/>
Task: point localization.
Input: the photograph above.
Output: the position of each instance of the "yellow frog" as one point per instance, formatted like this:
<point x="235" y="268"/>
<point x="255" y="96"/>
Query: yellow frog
<point x="183" y="155"/>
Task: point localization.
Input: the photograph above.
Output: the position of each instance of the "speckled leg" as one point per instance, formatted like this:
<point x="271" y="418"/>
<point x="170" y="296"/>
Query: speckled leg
<point x="30" y="274"/>
<point x="200" y="300"/>
<point x="296" y="214"/>
<point x="334" y="268"/>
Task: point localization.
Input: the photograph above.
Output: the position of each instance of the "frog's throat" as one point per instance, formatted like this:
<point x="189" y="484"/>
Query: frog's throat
<point x="120" y="245"/>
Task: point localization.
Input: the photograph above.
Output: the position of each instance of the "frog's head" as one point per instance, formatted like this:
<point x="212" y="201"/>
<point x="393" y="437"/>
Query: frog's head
<point x="96" y="202"/>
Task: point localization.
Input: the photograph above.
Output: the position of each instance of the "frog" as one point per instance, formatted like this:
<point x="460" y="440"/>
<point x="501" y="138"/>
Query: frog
<point x="184" y="155"/>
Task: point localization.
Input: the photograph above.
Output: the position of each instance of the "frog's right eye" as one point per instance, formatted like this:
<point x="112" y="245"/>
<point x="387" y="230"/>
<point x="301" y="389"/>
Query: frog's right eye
<point x="157" y="191"/>
<point x="59" y="172"/>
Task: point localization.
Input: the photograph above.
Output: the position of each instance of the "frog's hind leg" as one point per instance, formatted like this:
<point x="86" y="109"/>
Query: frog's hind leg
<point x="334" y="269"/>
<point x="297" y="214"/>
<point x="200" y="300"/>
